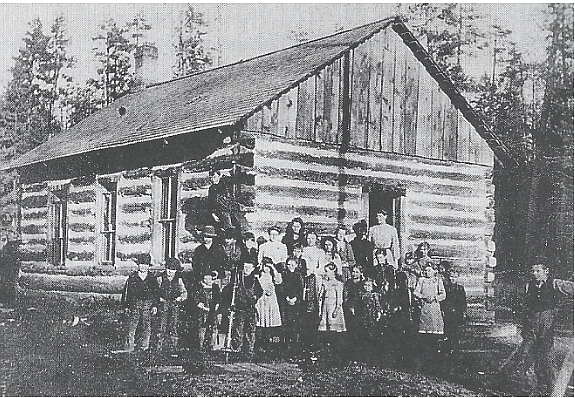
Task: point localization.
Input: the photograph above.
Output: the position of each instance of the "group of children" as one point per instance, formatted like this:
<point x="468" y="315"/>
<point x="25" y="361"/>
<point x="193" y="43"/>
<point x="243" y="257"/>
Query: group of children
<point x="291" y="296"/>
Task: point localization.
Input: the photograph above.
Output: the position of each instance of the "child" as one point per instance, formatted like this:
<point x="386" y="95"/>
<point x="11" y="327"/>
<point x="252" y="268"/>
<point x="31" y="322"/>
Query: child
<point x="172" y="292"/>
<point x="310" y="304"/>
<point x="429" y="289"/>
<point x="453" y="307"/>
<point x="140" y="297"/>
<point x="267" y="306"/>
<point x="298" y="256"/>
<point x="331" y="305"/>
<point x="291" y="300"/>
<point x="351" y="289"/>
<point x="207" y="299"/>
<point x="247" y="293"/>
<point x="369" y="312"/>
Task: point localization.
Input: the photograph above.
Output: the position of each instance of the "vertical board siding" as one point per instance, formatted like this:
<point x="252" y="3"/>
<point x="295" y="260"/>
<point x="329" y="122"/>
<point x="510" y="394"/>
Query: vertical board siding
<point x="319" y="124"/>
<point x="399" y="99"/>
<point x="411" y="96"/>
<point x="360" y="96"/>
<point x="396" y="106"/>
<point x="335" y="119"/>
<point x="305" y="120"/>
<point x="376" y="49"/>
<point x="423" y="135"/>
<point x="387" y="93"/>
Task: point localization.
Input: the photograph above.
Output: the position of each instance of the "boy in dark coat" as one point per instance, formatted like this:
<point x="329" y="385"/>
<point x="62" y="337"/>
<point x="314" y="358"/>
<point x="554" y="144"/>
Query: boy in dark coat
<point x="454" y="308"/>
<point x="247" y="293"/>
<point x="140" y="298"/>
<point x="290" y="300"/>
<point x="172" y="292"/>
<point x="207" y="300"/>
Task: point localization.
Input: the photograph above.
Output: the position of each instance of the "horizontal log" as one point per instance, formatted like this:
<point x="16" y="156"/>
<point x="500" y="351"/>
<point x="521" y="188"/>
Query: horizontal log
<point x="81" y="227"/>
<point x="271" y="144"/>
<point x="297" y="192"/>
<point x="136" y="190"/>
<point x="34" y="241"/>
<point x="39" y="187"/>
<point x="136" y="207"/>
<point x="332" y="159"/>
<point x="34" y="215"/>
<point x="86" y="196"/>
<point x="447" y="221"/>
<point x="424" y="234"/>
<point x="33" y="229"/>
<point x="307" y="211"/>
<point x="92" y="284"/>
<point x="89" y="211"/>
<point x="83" y="239"/>
<point x="140" y="238"/>
<point x="34" y="202"/>
<point x="80" y="256"/>
<point x="32" y="256"/>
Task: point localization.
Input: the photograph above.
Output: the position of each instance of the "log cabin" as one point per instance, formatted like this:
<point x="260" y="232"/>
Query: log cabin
<point x="329" y="130"/>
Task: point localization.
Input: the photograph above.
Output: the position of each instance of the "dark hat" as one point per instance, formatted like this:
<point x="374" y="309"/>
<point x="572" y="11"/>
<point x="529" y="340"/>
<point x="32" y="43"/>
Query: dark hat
<point x="209" y="231"/>
<point x="249" y="235"/>
<point x="230" y="233"/>
<point x="173" y="263"/>
<point x="142" y="258"/>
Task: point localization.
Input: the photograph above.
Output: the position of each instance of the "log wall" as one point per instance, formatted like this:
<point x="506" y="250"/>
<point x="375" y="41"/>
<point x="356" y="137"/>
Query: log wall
<point x="447" y="204"/>
<point x="395" y="106"/>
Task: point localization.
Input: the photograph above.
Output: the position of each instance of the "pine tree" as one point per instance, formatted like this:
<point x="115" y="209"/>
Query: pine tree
<point x="551" y="213"/>
<point x="113" y="53"/>
<point x="191" y="56"/>
<point x="449" y="32"/>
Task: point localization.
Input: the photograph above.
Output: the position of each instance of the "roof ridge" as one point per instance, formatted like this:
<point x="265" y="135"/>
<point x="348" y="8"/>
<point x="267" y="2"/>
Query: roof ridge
<point x="389" y="19"/>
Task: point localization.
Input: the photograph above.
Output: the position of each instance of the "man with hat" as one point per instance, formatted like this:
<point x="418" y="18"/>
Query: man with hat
<point x="384" y="238"/>
<point x="140" y="297"/>
<point x="172" y="292"/>
<point x="208" y="257"/>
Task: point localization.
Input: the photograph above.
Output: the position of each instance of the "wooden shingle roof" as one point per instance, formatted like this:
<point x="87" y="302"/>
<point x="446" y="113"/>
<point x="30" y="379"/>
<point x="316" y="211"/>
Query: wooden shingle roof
<point x="219" y="97"/>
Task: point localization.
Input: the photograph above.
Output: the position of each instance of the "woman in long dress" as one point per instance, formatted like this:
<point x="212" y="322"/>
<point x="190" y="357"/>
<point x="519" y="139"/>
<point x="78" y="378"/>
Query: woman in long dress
<point x="267" y="306"/>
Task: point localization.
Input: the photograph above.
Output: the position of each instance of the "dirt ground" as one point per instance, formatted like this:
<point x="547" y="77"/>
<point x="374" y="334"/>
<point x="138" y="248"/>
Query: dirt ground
<point x="55" y="349"/>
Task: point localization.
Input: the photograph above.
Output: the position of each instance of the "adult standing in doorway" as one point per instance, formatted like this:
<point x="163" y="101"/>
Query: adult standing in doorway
<point x="384" y="237"/>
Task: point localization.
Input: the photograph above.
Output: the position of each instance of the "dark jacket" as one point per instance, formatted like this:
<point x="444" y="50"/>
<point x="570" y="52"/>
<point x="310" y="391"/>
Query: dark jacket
<point x="542" y="298"/>
<point x="206" y="260"/>
<point x="455" y="304"/>
<point x="362" y="252"/>
<point x="220" y="197"/>
<point x="137" y="289"/>
<point x="170" y="290"/>
<point x="291" y="286"/>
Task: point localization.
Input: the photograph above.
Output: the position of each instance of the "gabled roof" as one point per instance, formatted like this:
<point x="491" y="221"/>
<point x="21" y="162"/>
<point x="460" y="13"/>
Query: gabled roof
<point x="215" y="98"/>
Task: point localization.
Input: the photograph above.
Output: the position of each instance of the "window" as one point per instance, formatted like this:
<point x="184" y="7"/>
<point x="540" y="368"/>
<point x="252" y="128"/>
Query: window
<point x="59" y="200"/>
<point x="109" y="201"/>
<point x="168" y="213"/>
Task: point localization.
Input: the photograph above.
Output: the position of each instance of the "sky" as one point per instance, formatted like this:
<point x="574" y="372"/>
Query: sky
<point x="243" y="30"/>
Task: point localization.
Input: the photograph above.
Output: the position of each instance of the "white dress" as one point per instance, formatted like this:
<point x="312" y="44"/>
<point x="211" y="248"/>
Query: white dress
<point x="267" y="305"/>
